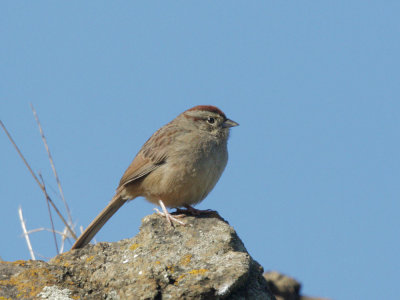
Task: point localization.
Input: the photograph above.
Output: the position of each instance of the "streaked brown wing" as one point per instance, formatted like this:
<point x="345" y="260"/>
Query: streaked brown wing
<point x="139" y="167"/>
<point x="150" y="157"/>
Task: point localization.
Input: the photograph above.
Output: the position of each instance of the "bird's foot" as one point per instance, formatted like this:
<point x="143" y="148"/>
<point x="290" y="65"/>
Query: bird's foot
<point x="194" y="211"/>
<point x="168" y="216"/>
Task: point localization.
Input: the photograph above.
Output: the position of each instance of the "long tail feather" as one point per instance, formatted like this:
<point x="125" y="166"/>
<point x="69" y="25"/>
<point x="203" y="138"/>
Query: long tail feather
<point x="85" y="238"/>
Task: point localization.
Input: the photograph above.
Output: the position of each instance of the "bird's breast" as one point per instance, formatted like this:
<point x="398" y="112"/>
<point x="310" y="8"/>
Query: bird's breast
<point x="186" y="178"/>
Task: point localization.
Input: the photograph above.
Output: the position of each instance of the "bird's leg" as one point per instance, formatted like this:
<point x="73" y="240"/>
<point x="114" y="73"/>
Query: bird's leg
<point x="195" y="211"/>
<point x="167" y="215"/>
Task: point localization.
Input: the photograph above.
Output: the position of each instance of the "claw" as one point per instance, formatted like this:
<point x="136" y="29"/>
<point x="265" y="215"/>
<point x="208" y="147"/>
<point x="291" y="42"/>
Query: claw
<point x="168" y="216"/>
<point x="195" y="211"/>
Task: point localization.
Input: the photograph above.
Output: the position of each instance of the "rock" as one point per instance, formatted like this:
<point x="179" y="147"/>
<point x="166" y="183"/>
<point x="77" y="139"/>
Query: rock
<point x="203" y="260"/>
<point x="285" y="288"/>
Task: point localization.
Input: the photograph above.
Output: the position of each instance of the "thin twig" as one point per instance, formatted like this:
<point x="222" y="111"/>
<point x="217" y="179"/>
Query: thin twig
<point x="50" y="215"/>
<point x="44" y="229"/>
<point x="52" y="164"/>
<point x="20" y="154"/>
<point x="26" y="235"/>
<point x="64" y="236"/>
<point x="44" y="258"/>
<point x="37" y="181"/>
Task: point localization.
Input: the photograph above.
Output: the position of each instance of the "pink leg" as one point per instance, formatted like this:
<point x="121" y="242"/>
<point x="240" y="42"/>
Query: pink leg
<point x="167" y="215"/>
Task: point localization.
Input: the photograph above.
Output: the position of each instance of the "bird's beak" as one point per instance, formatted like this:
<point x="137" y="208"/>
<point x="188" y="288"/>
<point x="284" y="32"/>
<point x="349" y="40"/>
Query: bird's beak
<point x="229" y="123"/>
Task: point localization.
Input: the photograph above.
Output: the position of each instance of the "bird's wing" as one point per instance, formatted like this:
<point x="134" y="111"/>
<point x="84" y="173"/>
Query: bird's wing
<point x="140" y="167"/>
<point x="152" y="155"/>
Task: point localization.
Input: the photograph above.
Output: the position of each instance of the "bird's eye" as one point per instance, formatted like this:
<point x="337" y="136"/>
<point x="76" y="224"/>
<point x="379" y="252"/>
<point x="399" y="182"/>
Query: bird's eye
<point x="211" y="120"/>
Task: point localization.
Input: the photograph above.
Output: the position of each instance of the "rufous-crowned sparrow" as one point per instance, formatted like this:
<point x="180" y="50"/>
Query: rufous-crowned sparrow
<point x="177" y="167"/>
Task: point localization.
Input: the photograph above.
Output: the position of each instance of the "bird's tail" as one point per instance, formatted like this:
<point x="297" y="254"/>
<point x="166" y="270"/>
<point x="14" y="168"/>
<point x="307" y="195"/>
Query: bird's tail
<point x="116" y="202"/>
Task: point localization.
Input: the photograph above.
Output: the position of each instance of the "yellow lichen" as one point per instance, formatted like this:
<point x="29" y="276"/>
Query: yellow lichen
<point x="89" y="258"/>
<point x="30" y="282"/>
<point x="19" y="263"/>
<point x="171" y="269"/>
<point x="193" y="272"/>
<point x="198" y="272"/>
<point x="179" y="279"/>
<point x="186" y="259"/>
<point x="134" y="246"/>
<point x="158" y="262"/>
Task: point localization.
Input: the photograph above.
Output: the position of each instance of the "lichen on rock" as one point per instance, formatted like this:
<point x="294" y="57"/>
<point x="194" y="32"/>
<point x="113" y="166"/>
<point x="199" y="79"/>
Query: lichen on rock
<point x="203" y="260"/>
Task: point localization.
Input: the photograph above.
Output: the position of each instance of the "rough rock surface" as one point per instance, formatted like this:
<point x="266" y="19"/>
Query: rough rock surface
<point x="285" y="288"/>
<point x="203" y="260"/>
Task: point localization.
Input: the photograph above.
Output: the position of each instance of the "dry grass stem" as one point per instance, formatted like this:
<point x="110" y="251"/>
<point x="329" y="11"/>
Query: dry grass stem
<point x="25" y="232"/>
<point x="52" y="164"/>
<point x="64" y="237"/>
<point x="50" y="215"/>
<point x="44" y="229"/>
<point x="72" y="233"/>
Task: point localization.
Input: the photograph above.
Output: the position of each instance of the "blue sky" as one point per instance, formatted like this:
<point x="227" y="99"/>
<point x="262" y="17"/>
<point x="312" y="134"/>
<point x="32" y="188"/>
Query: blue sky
<point x="312" y="184"/>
